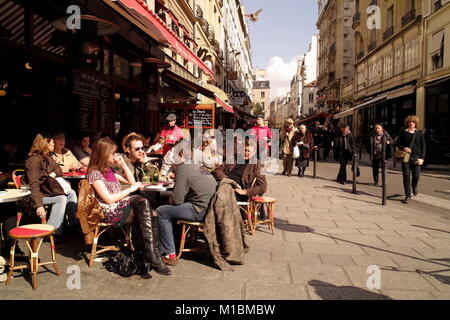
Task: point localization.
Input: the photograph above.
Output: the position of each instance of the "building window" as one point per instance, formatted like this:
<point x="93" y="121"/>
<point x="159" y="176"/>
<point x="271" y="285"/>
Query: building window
<point x="311" y="97"/>
<point x="390" y="17"/>
<point x="411" y="54"/>
<point x="388" y="64"/>
<point x="263" y="95"/>
<point x="437" y="5"/>
<point x="437" y="50"/>
<point x="398" y="63"/>
<point x="262" y="105"/>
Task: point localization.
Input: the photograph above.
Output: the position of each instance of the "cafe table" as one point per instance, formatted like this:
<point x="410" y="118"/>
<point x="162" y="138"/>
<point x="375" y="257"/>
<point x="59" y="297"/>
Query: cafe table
<point x="12" y="195"/>
<point x="74" y="175"/>
<point x="158" y="190"/>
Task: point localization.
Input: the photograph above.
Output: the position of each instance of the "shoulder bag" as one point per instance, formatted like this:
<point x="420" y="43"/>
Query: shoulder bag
<point x="403" y="155"/>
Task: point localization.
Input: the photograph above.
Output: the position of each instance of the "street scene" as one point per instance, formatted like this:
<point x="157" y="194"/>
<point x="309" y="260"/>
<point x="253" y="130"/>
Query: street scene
<point x="224" y="150"/>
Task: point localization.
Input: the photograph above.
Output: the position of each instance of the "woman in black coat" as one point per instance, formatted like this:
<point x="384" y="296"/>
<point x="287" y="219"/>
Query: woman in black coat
<point x="411" y="141"/>
<point x="379" y="148"/>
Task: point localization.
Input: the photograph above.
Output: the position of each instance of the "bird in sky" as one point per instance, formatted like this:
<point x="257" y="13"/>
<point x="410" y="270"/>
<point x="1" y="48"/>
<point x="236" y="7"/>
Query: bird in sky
<point x="253" y="16"/>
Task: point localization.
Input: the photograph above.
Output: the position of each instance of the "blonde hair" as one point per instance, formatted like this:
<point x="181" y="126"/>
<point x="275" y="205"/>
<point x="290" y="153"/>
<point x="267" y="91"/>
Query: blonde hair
<point x="129" y="138"/>
<point x="412" y="118"/>
<point x="40" y="145"/>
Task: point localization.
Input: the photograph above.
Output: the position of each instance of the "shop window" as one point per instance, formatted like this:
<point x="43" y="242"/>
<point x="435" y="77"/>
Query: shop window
<point x="437" y="53"/>
<point x="121" y="67"/>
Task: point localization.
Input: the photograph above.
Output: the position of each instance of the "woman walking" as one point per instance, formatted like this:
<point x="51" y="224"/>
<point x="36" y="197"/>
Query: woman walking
<point x="380" y="149"/>
<point x="117" y="202"/>
<point x="286" y="136"/>
<point x="304" y="140"/>
<point x="412" y="142"/>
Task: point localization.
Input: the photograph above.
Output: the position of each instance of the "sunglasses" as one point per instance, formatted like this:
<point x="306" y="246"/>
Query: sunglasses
<point x="138" y="149"/>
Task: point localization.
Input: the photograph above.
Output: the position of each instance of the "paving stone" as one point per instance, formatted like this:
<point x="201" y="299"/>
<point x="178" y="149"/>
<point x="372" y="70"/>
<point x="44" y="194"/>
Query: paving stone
<point x="338" y="260"/>
<point x="336" y="230"/>
<point x="357" y="225"/>
<point x="436" y="243"/>
<point x="371" y="218"/>
<point x="391" y="251"/>
<point x="414" y="234"/>
<point x="442" y="295"/>
<point x="366" y="261"/>
<point x="389" y="279"/>
<point x="397" y="226"/>
<point x="421" y="264"/>
<point x="276" y="272"/>
<point x="308" y="237"/>
<point x="329" y="216"/>
<point x="408" y="295"/>
<point x="372" y="232"/>
<point x="341" y="249"/>
<point x="404" y="242"/>
<point x="440" y="280"/>
<point x="302" y="258"/>
<point x="343" y="293"/>
<point x="305" y="274"/>
<point x="257" y="290"/>
<point x="312" y="222"/>
<point x="359" y="239"/>
<point x="431" y="253"/>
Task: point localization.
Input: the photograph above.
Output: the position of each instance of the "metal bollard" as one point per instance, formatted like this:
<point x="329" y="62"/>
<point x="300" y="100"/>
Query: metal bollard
<point x="315" y="163"/>
<point x="355" y="170"/>
<point x="384" y="181"/>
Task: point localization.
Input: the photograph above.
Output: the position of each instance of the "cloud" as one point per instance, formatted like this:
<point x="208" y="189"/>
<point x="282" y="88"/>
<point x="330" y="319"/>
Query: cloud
<point x="280" y="74"/>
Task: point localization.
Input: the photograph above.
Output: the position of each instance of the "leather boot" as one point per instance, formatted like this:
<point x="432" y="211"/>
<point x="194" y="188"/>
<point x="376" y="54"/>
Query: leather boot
<point x="151" y="254"/>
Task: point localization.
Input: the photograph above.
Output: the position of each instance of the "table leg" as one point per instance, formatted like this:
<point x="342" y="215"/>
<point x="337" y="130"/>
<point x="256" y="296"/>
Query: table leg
<point x="34" y="262"/>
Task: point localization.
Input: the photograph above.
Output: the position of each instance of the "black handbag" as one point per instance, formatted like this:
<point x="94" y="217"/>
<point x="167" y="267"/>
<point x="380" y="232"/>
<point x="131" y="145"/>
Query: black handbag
<point x="126" y="263"/>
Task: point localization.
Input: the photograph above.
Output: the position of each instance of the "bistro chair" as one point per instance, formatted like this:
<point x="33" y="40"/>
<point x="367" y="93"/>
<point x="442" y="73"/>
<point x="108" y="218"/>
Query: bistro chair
<point x="31" y="233"/>
<point x="257" y="204"/>
<point x="16" y="176"/>
<point x="247" y="209"/>
<point x="195" y="228"/>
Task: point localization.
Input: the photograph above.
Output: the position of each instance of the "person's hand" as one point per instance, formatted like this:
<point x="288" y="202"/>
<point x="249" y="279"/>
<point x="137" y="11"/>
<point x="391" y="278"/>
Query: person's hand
<point x="77" y="165"/>
<point x="240" y="191"/>
<point x="407" y="150"/>
<point x="171" y="175"/>
<point x="53" y="175"/>
<point x="135" y="186"/>
<point x="118" y="159"/>
<point x="419" y="162"/>
<point x="40" y="212"/>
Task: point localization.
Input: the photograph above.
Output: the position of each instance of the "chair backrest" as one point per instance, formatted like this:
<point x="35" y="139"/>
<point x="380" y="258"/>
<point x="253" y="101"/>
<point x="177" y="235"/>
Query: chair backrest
<point x="16" y="175"/>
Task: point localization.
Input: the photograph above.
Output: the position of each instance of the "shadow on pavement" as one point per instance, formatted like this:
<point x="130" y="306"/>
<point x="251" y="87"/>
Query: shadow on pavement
<point x="282" y="225"/>
<point x="441" y="278"/>
<point x="414" y="225"/>
<point x="328" y="291"/>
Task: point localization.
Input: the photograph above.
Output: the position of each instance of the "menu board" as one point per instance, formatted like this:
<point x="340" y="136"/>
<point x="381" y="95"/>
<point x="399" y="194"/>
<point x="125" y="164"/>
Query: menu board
<point x="201" y="115"/>
<point x="106" y="105"/>
<point x="85" y="84"/>
<point x="88" y="111"/>
<point x="179" y="112"/>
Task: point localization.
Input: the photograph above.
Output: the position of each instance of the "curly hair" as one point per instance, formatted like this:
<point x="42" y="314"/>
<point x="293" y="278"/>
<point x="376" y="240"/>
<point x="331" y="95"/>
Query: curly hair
<point x="129" y="138"/>
<point x="412" y="118"/>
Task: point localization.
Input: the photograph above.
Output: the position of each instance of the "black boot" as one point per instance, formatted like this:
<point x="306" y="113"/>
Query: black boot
<point x="303" y="171"/>
<point x="151" y="252"/>
<point x="407" y="199"/>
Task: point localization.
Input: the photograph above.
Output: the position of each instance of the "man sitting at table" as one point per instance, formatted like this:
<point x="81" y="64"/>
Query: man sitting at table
<point x="194" y="188"/>
<point x="135" y="157"/>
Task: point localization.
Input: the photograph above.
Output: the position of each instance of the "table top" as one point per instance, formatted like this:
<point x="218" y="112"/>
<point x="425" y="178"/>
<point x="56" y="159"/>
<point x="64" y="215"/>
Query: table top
<point x="157" y="188"/>
<point x="12" y="195"/>
<point x="67" y="175"/>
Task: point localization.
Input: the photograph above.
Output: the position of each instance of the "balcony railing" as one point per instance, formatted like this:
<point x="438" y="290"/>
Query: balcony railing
<point x="220" y="54"/>
<point x="333" y="48"/>
<point x="388" y="33"/>
<point x="331" y="77"/>
<point x="198" y="12"/>
<point x="205" y="26"/>
<point x="211" y="35"/>
<point x="372" y="46"/>
<point x="359" y="56"/>
<point x="373" y="3"/>
<point x="407" y="18"/>
<point x="356" y="18"/>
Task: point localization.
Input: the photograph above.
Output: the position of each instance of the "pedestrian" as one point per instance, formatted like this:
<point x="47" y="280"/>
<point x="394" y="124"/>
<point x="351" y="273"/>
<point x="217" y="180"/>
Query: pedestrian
<point x="286" y="135"/>
<point x="263" y="136"/>
<point x="305" y="142"/>
<point x="327" y="138"/>
<point x="412" y="142"/>
<point x="344" y="149"/>
<point x="170" y="134"/>
<point x="317" y="133"/>
<point x="380" y="149"/>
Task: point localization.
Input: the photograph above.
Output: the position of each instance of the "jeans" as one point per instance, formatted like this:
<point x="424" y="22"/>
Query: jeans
<point x="376" y="165"/>
<point x="407" y="170"/>
<point x="170" y="213"/>
<point x="60" y="206"/>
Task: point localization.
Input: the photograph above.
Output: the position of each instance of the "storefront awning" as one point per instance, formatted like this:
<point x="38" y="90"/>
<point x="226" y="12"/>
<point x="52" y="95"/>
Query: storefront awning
<point x="169" y="75"/>
<point x="140" y="11"/>
<point x="225" y="105"/>
<point x="361" y="105"/>
<point x="220" y="97"/>
<point x="316" y="116"/>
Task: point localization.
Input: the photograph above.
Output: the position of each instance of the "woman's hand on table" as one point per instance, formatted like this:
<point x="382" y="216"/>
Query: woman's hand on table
<point x="135" y="186"/>
<point x="77" y="165"/>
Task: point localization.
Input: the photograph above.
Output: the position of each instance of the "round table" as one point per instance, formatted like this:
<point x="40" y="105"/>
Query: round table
<point x="13" y="195"/>
<point x="74" y="176"/>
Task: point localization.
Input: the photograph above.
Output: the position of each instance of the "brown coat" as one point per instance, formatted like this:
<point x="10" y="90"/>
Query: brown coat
<point x="224" y="228"/>
<point x="89" y="211"/>
<point x="305" y="153"/>
<point x="38" y="168"/>
<point x="286" y="138"/>
<point x="251" y="172"/>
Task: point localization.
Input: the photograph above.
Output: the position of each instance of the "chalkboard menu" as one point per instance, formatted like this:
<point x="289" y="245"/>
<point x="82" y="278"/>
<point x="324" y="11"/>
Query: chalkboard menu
<point x="85" y="84"/>
<point x="179" y="112"/>
<point x="203" y="116"/>
<point x="106" y="105"/>
<point x="88" y="110"/>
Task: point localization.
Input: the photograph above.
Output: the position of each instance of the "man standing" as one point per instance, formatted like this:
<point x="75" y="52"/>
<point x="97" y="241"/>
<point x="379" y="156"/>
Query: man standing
<point x="194" y="188"/>
<point x="286" y="135"/>
<point x="263" y="136"/>
<point x="317" y="134"/>
<point x="344" y="149"/>
<point x="170" y="134"/>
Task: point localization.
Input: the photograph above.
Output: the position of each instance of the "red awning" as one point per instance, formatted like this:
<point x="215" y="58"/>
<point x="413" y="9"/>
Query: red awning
<point x="173" y="17"/>
<point x="225" y="105"/>
<point x="141" y="7"/>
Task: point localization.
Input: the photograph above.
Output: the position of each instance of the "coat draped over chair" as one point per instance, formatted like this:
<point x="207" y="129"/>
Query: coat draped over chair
<point x="89" y="211"/>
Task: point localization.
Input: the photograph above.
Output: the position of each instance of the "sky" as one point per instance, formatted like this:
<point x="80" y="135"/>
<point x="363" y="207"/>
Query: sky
<point x="280" y="36"/>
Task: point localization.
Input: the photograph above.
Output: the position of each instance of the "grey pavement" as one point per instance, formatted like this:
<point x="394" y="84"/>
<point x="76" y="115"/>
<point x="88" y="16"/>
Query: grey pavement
<point x="325" y="240"/>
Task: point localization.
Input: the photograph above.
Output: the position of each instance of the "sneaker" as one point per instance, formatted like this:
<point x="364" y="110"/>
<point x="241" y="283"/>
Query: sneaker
<point x="170" y="261"/>
<point x="415" y="192"/>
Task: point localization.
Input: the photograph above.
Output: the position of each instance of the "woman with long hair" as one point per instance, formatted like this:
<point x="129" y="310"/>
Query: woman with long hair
<point x="411" y="141"/>
<point x="41" y="170"/>
<point x="380" y="145"/>
<point x="117" y="203"/>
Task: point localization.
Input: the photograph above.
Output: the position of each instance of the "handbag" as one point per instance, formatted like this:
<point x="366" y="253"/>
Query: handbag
<point x="64" y="184"/>
<point x="296" y="153"/>
<point x="403" y="155"/>
<point x="51" y="187"/>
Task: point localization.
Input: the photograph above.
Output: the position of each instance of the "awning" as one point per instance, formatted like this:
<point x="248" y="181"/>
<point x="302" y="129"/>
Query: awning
<point x="219" y="96"/>
<point x="316" y="116"/>
<point x="359" y="106"/>
<point x="187" y="84"/>
<point x="140" y="10"/>
<point x="225" y="105"/>
<point x="404" y="91"/>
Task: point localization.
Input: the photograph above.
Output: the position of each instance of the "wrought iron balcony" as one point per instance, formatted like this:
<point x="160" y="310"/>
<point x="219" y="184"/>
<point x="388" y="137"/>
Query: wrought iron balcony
<point x="407" y="18"/>
<point x="333" y="49"/>
<point x="205" y="26"/>
<point x="359" y="56"/>
<point x="198" y="12"/>
<point x="331" y="77"/>
<point x="356" y="18"/>
<point x="437" y="5"/>
<point x="388" y="33"/>
<point x="372" y="46"/>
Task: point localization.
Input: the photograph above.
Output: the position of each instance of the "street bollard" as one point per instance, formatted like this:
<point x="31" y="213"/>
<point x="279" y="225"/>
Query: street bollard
<point x="355" y="169"/>
<point x="384" y="180"/>
<point x="315" y="163"/>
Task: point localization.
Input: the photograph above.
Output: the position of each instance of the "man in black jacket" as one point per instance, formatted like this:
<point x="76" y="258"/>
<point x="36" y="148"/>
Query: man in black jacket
<point x="344" y="148"/>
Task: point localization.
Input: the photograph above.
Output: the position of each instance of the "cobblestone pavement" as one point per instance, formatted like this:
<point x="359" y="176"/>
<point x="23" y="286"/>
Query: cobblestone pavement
<point x="325" y="240"/>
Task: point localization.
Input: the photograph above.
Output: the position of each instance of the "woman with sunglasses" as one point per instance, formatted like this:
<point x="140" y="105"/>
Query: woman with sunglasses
<point x="117" y="202"/>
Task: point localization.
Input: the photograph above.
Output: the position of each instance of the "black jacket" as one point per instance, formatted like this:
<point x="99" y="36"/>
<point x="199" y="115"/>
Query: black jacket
<point x="389" y="149"/>
<point x="418" y="148"/>
<point x="339" y="147"/>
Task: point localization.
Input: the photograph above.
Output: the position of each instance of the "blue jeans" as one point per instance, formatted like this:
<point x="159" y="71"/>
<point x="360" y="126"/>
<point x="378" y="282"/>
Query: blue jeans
<point x="167" y="214"/>
<point x="61" y="205"/>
